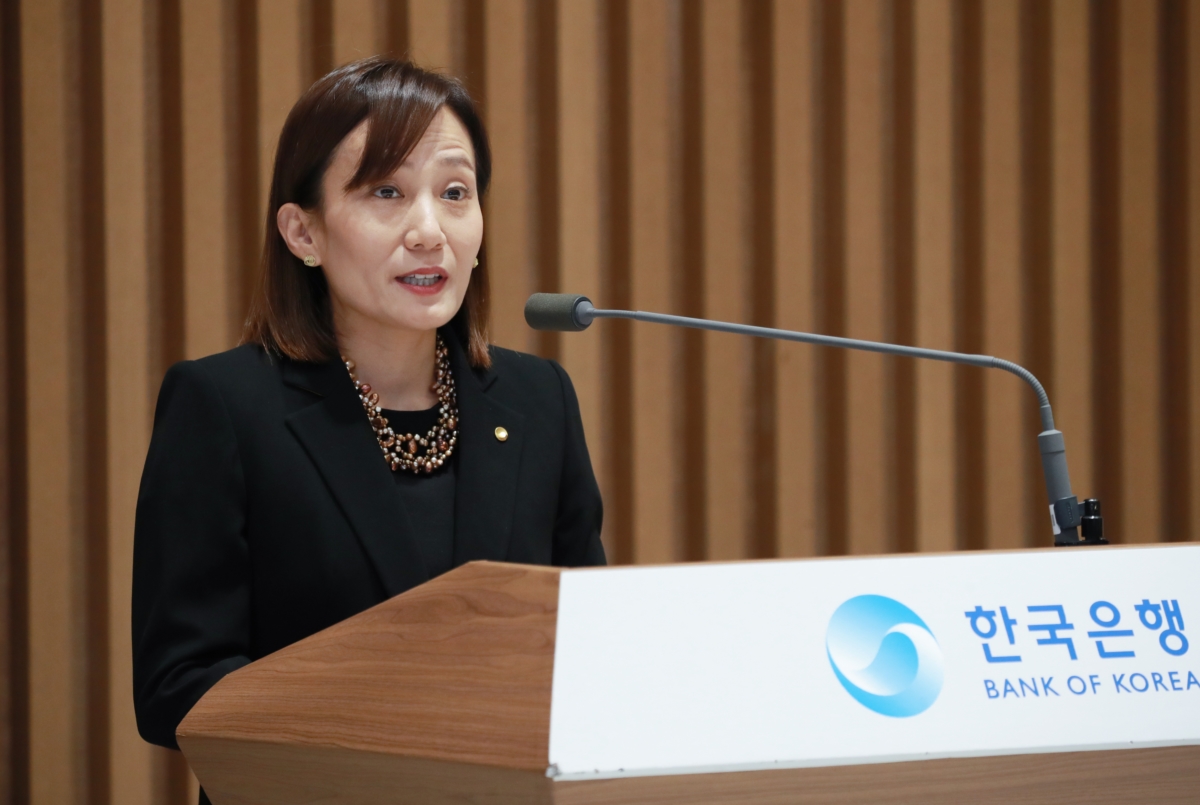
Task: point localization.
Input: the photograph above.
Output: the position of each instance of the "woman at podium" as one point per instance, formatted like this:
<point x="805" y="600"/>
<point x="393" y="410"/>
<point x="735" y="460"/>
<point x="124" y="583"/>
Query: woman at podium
<point x="365" y="437"/>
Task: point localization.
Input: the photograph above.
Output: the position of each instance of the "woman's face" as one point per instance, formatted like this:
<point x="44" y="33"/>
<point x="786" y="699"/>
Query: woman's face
<point x="398" y="253"/>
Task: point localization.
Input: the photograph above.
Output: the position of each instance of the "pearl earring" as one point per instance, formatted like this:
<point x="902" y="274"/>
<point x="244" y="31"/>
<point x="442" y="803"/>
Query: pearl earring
<point x="310" y="261"/>
<point x="476" y="263"/>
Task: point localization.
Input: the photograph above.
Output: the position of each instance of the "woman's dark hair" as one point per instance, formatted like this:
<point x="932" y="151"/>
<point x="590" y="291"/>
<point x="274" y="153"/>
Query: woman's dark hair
<point x="290" y="312"/>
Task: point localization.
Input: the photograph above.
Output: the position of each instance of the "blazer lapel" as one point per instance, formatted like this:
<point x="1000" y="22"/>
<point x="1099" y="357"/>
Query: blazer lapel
<point x="339" y="440"/>
<point x="487" y="467"/>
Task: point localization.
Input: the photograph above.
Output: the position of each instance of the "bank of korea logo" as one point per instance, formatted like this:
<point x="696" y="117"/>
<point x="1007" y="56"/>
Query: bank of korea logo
<point x="884" y="655"/>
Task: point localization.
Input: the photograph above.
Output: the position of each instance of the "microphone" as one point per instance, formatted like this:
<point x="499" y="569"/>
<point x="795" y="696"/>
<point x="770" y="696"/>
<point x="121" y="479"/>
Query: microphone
<point x="573" y="313"/>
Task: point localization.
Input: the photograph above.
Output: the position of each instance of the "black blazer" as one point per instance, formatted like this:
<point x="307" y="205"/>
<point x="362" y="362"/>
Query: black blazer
<point x="266" y="510"/>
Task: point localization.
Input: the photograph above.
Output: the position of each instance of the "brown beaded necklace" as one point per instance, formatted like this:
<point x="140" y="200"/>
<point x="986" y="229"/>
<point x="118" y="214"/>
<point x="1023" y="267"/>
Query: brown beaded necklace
<point x="404" y="451"/>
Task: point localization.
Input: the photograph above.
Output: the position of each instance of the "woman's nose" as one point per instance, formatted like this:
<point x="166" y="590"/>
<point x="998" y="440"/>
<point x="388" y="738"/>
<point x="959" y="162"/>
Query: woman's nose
<point x="422" y="229"/>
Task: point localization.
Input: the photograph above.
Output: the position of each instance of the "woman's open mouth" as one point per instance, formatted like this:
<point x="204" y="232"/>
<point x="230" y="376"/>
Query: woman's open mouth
<point x="424" y="280"/>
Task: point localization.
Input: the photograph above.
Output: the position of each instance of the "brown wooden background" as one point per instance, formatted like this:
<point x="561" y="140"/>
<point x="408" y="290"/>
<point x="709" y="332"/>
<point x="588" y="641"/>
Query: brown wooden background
<point x="1016" y="177"/>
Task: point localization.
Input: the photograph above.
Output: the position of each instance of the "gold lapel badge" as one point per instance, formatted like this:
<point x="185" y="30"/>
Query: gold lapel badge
<point x="501" y="435"/>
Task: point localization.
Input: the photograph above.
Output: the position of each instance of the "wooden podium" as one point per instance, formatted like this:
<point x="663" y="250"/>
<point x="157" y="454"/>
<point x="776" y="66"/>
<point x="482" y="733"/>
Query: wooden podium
<point x="443" y="695"/>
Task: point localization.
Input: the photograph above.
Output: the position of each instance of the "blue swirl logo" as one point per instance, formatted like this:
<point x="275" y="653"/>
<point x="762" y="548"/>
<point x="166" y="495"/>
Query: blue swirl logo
<point x="884" y="655"/>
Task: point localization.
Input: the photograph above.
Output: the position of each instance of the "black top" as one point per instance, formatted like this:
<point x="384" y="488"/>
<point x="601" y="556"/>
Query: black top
<point x="428" y="499"/>
<point x="266" y="513"/>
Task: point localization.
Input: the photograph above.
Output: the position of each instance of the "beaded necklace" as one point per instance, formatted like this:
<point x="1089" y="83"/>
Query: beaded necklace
<point x="410" y="451"/>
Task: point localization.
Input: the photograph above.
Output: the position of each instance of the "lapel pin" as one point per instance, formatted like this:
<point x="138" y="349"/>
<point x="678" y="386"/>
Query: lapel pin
<point x="501" y="435"/>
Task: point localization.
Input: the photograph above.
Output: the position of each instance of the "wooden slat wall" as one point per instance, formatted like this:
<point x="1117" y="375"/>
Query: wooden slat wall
<point x="792" y="281"/>
<point x="209" y="292"/>
<point x="652" y="255"/>
<point x="1010" y="176"/>
<point x="867" y="391"/>
<point x="933" y="200"/>
<point x="1193" y="266"/>
<point x="128" y="774"/>
<point x="1071" y="376"/>
<point x="13" y="715"/>
<point x="580" y="85"/>
<point x="511" y="126"/>
<point x="54" y="527"/>
<point x="1138" y="280"/>
<point x="725" y="277"/>
<point x="1001" y="258"/>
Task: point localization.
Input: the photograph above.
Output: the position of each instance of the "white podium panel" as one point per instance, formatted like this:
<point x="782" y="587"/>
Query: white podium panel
<point x="757" y="665"/>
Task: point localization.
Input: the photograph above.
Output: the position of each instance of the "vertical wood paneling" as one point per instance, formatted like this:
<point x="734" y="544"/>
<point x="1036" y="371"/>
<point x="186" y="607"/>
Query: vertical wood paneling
<point x="760" y="261"/>
<point x="1141" y="476"/>
<point x="1004" y="394"/>
<point x="1172" y="181"/>
<point x="1104" y="235"/>
<point x="615" y="205"/>
<point x="762" y="501"/>
<point x="209" y="290"/>
<point x="967" y="280"/>
<point x="580" y="248"/>
<point x="543" y="160"/>
<point x="358" y="30"/>
<point x="1193" y="123"/>
<point x="689" y="286"/>
<point x="282" y="75"/>
<point x="248" y="209"/>
<point x="10" y="453"/>
<point x="655" y="370"/>
<point x="431" y="31"/>
<point x="127" y="338"/>
<point x="1037" y="240"/>
<point x="900" y="214"/>
<point x="509" y="118"/>
<point x="795" y="475"/>
<point x="56" y="704"/>
<point x="829" y="285"/>
<point x="1072" y="372"/>
<point x="933" y="275"/>
<point x="16" y="360"/>
<point x="866" y="391"/>
<point x="727" y="360"/>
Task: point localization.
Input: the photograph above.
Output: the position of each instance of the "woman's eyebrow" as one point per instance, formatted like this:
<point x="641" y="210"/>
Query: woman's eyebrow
<point x="457" y="159"/>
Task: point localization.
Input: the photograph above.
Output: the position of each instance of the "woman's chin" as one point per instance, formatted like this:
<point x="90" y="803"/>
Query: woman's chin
<point x="398" y="310"/>
<point x="426" y="317"/>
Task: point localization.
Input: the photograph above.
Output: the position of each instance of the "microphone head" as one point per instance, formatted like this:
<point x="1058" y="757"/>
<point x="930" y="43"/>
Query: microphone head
<point x="565" y="312"/>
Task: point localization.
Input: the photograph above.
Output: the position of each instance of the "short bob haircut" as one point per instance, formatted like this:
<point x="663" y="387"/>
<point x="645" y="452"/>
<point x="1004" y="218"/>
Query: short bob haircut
<point x="290" y="312"/>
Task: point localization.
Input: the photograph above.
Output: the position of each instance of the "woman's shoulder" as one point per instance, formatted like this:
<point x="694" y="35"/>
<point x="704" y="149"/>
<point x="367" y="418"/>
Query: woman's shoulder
<point x="245" y="370"/>
<point x="529" y="382"/>
<point x="243" y="362"/>
<point x="511" y="367"/>
<point x="244" y="358"/>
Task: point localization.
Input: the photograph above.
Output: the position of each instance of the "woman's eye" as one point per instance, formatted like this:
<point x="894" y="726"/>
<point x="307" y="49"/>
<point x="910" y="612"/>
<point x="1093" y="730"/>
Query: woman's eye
<point x="387" y="192"/>
<point x="456" y="193"/>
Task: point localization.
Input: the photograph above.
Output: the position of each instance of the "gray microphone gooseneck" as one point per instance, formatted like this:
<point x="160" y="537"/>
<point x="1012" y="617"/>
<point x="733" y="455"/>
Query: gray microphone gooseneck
<point x="572" y="313"/>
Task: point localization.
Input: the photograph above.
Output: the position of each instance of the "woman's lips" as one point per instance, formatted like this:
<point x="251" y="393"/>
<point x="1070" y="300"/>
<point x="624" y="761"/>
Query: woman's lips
<point x="423" y="281"/>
